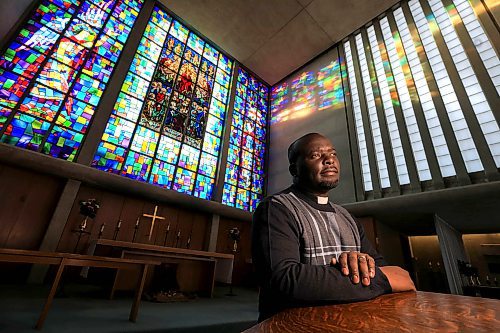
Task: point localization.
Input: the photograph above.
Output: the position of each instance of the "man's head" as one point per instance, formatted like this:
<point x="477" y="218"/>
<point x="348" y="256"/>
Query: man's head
<point x="314" y="164"/>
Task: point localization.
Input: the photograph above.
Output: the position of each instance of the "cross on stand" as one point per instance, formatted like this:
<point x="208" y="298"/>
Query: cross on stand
<point x="154" y="217"/>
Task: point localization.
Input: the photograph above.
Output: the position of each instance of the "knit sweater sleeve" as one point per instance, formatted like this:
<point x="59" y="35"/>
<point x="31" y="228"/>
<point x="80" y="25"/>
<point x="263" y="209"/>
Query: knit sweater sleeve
<point x="276" y="255"/>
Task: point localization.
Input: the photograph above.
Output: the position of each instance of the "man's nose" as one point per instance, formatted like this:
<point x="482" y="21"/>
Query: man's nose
<point x="328" y="159"/>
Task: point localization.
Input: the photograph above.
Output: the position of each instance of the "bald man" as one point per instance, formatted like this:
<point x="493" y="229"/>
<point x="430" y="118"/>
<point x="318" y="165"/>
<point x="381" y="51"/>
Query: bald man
<point x="309" y="251"/>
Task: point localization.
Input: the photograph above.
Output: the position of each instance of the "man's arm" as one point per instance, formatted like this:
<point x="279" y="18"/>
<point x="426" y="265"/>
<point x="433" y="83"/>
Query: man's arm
<point x="399" y="278"/>
<point x="276" y="254"/>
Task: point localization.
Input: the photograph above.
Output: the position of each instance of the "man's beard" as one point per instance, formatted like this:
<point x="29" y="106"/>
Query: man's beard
<point x="328" y="185"/>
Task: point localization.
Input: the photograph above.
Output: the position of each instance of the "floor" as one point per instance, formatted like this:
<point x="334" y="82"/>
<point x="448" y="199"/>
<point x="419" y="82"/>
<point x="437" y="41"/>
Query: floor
<point x="86" y="309"/>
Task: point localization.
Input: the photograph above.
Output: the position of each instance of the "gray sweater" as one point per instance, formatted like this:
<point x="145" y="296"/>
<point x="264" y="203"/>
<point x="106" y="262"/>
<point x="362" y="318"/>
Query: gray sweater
<point x="293" y="241"/>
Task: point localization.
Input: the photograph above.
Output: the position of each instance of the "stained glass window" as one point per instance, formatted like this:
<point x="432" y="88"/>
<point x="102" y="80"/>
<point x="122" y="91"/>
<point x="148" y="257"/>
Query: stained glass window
<point x="167" y="123"/>
<point x="54" y="72"/>
<point x="243" y="184"/>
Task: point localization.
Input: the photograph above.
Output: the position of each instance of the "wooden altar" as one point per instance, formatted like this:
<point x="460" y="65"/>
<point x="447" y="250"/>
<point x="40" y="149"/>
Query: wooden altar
<point x="197" y="270"/>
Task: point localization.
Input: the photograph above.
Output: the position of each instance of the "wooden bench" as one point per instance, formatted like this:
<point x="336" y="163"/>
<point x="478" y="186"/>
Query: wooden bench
<point x="68" y="259"/>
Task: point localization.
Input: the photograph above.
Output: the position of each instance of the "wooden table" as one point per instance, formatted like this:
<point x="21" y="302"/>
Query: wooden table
<point x="62" y="260"/>
<point x="402" y="312"/>
<point x="221" y="264"/>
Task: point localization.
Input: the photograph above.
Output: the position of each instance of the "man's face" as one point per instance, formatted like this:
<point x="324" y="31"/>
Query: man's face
<point x="317" y="166"/>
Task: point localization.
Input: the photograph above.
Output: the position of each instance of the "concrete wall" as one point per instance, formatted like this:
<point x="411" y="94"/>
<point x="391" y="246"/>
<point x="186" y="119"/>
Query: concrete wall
<point x="10" y="12"/>
<point x="330" y="121"/>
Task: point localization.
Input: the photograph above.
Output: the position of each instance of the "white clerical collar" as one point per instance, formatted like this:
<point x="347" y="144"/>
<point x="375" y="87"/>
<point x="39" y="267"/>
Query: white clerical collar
<point x="322" y="200"/>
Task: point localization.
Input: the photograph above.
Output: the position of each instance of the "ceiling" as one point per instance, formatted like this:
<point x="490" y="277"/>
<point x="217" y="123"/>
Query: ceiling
<point x="273" y="38"/>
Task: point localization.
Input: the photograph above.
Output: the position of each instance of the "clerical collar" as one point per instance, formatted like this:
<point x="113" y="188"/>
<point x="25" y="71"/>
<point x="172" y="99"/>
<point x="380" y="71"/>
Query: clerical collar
<point x="322" y="200"/>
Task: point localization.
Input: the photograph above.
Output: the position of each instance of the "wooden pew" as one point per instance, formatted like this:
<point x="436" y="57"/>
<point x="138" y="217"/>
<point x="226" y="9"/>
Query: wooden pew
<point x="68" y="259"/>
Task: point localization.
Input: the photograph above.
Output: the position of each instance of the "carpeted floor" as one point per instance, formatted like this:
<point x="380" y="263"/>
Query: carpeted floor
<point x="86" y="309"/>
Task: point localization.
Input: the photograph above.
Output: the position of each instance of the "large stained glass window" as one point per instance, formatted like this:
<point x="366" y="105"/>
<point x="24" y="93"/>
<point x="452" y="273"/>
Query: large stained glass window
<point x="244" y="183"/>
<point x="53" y="74"/>
<point x="167" y="123"/>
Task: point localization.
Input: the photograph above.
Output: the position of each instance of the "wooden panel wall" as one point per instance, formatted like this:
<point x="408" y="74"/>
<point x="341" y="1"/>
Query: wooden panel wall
<point x="27" y="202"/>
<point x="243" y="269"/>
<point x="115" y="207"/>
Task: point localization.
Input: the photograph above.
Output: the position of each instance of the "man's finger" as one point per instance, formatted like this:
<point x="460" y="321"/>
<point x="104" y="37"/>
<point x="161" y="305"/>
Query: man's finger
<point x="353" y="267"/>
<point x="371" y="266"/>
<point x="343" y="263"/>
<point x="363" y="269"/>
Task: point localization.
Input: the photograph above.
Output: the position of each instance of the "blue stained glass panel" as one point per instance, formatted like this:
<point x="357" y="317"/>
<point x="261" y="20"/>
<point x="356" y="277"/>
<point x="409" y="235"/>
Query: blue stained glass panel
<point x="136" y="166"/>
<point x="179" y="31"/>
<point x="118" y="131"/>
<point x="184" y="181"/>
<point x="204" y="187"/>
<point x="92" y="15"/>
<point x="62" y="143"/>
<point x="25" y="131"/>
<point x="88" y="90"/>
<point x="127" y="107"/>
<point x="208" y="165"/>
<point x="195" y="43"/>
<point x="228" y="194"/>
<point x="162" y="174"/>
<point x="125" y="13"/>
<point x="98" y="67"/>
<point x="211" y="54"/>
<point x="145" y="141"/>
<point x="109" y="157"/>
<point x="75" y="115"/>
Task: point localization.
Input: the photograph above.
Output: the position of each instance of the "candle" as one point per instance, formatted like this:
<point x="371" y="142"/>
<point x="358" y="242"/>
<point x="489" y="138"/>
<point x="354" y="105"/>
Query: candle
<point x="84" y="225"/>
<point x="102" y="228"/>
<point x="119" y="224"/>
<point x="168" y="227"/>
<point x="137" y="222"/>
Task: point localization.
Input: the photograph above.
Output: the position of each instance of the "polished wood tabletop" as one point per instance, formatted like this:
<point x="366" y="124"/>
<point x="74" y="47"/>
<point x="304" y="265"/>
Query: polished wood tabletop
<point x="402" y="312"/>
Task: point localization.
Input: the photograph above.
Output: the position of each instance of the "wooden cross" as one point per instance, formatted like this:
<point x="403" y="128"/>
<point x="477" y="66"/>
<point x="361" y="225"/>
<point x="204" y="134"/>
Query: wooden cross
<point x="154" y="217"/>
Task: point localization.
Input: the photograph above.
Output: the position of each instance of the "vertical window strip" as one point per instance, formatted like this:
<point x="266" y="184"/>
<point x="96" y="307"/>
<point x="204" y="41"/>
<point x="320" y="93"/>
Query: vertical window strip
<point x="360" y="131"/>
<point x="431" y="117"/>
<point x="446" y="19"/>
<point x="396" y="61"/>
<point x="452" y="106"/>
<point x="385" y="93"/>
<point x="480" y="40"/>
<point x="372" y="112"/>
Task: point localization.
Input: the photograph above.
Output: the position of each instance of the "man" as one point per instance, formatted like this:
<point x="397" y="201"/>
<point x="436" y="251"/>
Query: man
<point x="309" y="251"/>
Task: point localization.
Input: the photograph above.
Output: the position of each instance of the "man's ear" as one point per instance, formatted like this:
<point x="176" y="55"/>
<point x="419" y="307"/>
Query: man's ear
<point x="293" y="169"/>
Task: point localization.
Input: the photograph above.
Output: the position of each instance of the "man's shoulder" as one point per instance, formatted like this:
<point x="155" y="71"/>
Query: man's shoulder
<point x="276" y="198"/>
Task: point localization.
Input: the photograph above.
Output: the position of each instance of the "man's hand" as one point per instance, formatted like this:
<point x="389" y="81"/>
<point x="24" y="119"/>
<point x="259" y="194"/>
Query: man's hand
<point x="356" y="264"/>
<point x="399" y="279"/>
